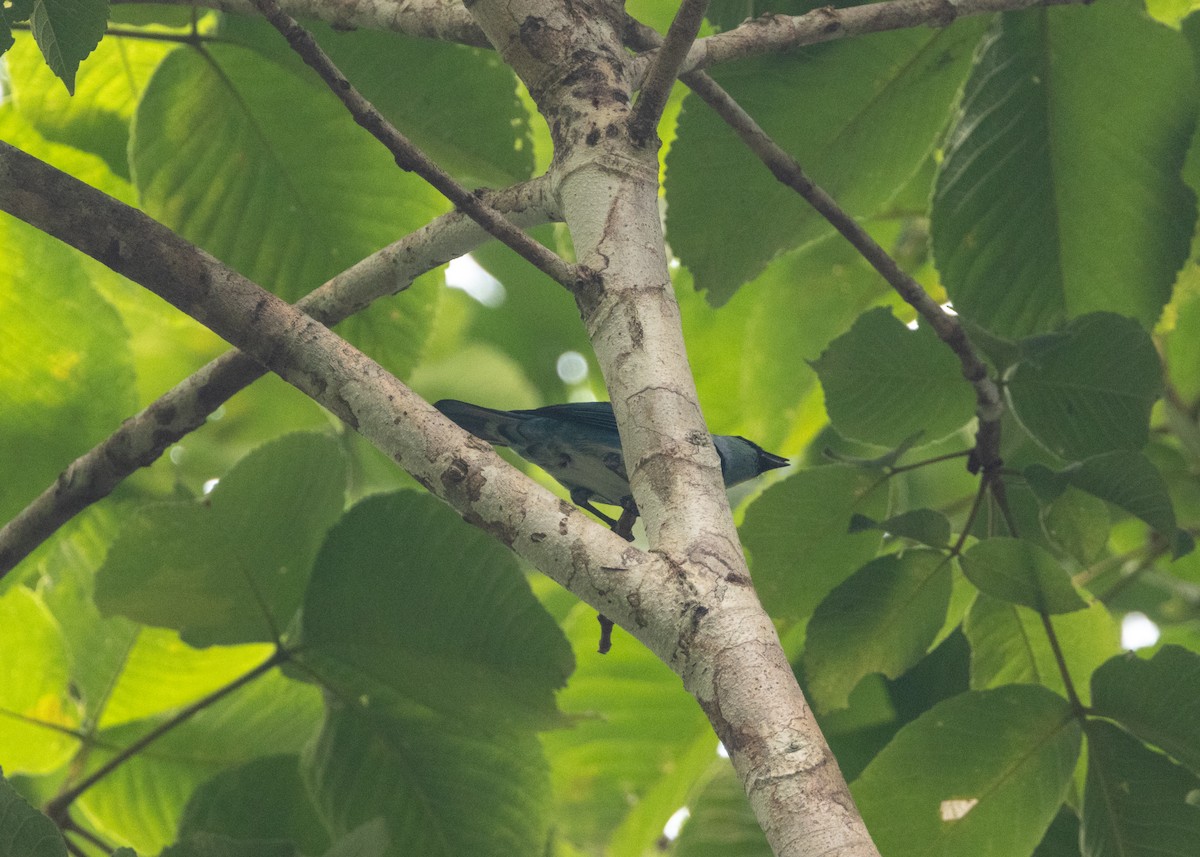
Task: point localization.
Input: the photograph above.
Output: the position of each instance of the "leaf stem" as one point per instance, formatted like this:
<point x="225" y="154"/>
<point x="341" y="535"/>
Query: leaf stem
<point x="1056" y="647"/>
<point x="57" y="808"/>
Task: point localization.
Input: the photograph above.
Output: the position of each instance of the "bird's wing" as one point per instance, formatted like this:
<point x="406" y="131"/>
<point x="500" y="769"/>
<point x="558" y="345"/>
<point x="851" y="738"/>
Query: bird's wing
<point x="596" y="415"/>
<point x="494" y="426"/>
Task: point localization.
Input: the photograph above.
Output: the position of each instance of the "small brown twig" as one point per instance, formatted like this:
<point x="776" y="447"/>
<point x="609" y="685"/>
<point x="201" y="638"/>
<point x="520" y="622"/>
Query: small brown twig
<point x="664" y="70"/>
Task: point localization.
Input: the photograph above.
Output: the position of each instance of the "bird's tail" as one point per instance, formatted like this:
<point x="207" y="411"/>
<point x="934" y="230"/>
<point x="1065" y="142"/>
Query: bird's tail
<point x="491" y="425"/>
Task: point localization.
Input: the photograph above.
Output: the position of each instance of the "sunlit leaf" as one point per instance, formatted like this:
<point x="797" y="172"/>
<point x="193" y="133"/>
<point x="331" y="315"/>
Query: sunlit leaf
<point x="635" y="733"/>
<point x="953" y="780"/>
<point x="230" y="568"/>
<point x="1048" y="205"/>
<point x="34" y="705"/>
<point x="858" y="114"/>
<point x="1009" y="645"/>
<point x="62" y="342"/>
<point x="141" y="801"/>
<point x="221" y="151"/>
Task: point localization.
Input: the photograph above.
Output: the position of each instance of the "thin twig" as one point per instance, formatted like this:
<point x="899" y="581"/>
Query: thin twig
<point x="57" y="808"/>
<point x="970" y="522"/>
<point x="409" y="157"/>
<point x="1056" y="647"/>
<point x="664" y="69"/>
<point x="925" y="462"/>
<point x="191" y="38"/>
<point x="73" y="826"/>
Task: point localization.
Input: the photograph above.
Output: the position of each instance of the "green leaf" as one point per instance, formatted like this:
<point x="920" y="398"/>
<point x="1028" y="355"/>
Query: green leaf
<point x="860" y="116"/>
<point x="1009" y="645"/>
<point x="404" y="596"/>
<point x="1044" y="209"/>
<point x="884" y="383"/>
<point x="1130" y="482"/>
<point x="1090" y="391"/>
<point x="1181" y="348"/>
<point x="142" y="800"/>
<point x="882" y="619"/>
<point x="11" y="13"/>
<point x="924" y="526"/>
<point x="636" y="748"/>
<point x="369" y="839"/>
<point x="62" y="343"/>
<point x="954" y="780"/>
<point x="232" y="567"/>
<point x="222" y="152"/>
<point x="1077" y="524"/>
<point x="721" y="822"/>
<point x="1062" y="839"/>
<point x="1157" y="700"/>
<point x="262" y="799"/>
<point x="96" y="117"/>
<point x="25" y="832"/>
<point x="444" y="788"/>
<point x="798" y="538"/>
<point x="1136" y="803"/>
<point x="67" y="31"/>
<point x="34" y="705"/>
<point x="214" y="845"/>
<point x="1021" y="572"/>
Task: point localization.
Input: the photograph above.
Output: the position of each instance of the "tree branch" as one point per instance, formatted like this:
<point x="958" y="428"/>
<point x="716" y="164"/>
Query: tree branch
<point x="445" y="20"/>
<point x="58" y="807"/>
<point x="409" y="157"/>
<point x="709" y="626"/>
<point x="140" y="440"/>
<point x="664" y="69"/>
<point x="597" y="565"/>
<point x="780" y="33"/>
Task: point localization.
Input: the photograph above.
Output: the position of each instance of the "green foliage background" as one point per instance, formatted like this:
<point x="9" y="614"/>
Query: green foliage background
<point x="364" y="674"/>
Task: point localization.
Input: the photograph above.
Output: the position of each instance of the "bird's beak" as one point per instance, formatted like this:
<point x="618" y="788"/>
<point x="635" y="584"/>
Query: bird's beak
<point x="770" y="461"/>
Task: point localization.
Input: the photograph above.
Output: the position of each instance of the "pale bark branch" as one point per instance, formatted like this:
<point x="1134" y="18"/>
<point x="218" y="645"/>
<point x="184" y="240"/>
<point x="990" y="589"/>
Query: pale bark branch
<point x="409" y="157"/>
<point x="445" y="20"/>
<point x="664" y="69"/>
<point x="781" y="33"/>
<point x="597" y="565"/>
<point x="140" y="440"/>
<point x="712" y="629"/>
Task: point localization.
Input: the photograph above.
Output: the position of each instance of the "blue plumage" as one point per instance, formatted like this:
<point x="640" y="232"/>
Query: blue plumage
<point x="578" y="444"/>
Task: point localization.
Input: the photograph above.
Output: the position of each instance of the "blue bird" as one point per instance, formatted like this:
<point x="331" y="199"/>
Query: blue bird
<point x="579" y="446"/>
